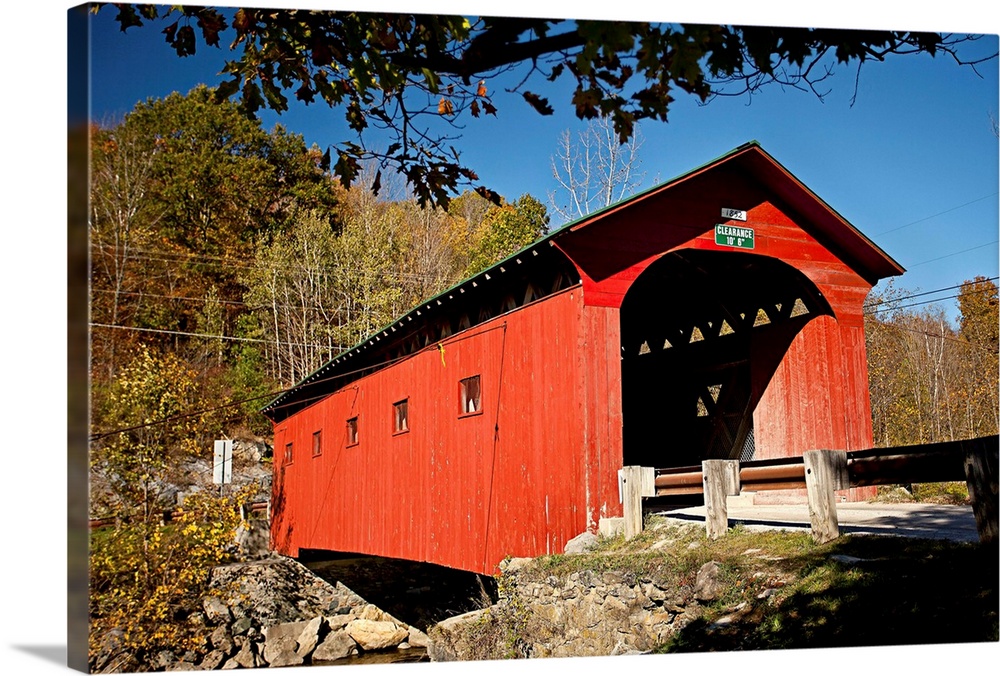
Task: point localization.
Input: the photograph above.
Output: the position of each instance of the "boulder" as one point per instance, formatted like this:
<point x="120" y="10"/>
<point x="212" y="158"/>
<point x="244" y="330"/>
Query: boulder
<point x="375" y="635"/>
<point x="281" y="638"/>
<point x="708" y="586"/>
<point x="212" y="660"/>
<point x="448" y="640"/>
<point x="310" y="636"/>
<point x="286" y="658"/>
<point x="216" y="611"/>
<point x="417" y="638"/>
<point x="337" y="645"/>
<point x="584" y="542"/>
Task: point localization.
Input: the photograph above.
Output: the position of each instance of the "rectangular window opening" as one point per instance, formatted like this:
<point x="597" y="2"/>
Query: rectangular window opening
<point x="288" y="454"/>
<point x="470" y="396"/>
<point x="317" y="443"/>
<point x="401" y="421"/>
<point x="352" y="431"/>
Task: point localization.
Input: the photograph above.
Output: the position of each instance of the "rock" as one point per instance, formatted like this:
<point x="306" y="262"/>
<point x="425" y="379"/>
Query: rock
<point x="281" y="638"/>
<point x="181" y="666"/>
<point x="221" y="639"/>
<point x="246" y="657"/>
<point x="449" y="639"/>
<point x="164" y="659"/>
<point x="582" y="543"/>
<point x="339" y="621"/>
<point x="707" y="586"/>
<point x="241" y="626"/>
<point x="212" y="660"/>
<point x="337" y="645"/>
<point x="515" y="564"/>
<point x="370" y="612"/>
<point x="216" y="610"/>
<point x="310" y="636"/>
<point x="417" y="638"/>
<point x="375" y="635"/>
<point x="286" y="658"/>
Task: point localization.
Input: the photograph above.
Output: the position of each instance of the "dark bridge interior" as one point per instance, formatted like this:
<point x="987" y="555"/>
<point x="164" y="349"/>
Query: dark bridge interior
<point x="702" y="333"/>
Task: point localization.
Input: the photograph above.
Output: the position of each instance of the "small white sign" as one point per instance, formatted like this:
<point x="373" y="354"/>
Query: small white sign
<point x="222" y="466"/>
<point x="734" y="214"/>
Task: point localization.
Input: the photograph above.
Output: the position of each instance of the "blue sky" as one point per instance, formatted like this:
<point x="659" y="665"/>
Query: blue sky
<point x="913" y="163"/>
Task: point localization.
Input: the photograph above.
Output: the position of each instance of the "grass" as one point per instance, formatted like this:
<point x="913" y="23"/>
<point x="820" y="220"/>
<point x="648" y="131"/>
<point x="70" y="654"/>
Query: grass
<point x="939" y="493"/>
<point x="785" y="591"/>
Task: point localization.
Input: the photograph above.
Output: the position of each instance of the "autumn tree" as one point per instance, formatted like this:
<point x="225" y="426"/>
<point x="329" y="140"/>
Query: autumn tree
<point x="928" y="380"/>
<point x="142" y="424"/>
<point x="505" y="229"/>
<point x="147" y="579"/>
<point x="419" y="77"/>
<point x="978" y="328"/>
<point x="180" y="188"/>
<point x="291" y="289"/>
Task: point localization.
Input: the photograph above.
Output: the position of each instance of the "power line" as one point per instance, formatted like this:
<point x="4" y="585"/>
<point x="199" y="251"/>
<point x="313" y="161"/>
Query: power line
<point x="274" y="394"/>
<point x="225" y="261"/>
<point x="210" y="336"/>
<point x="941" y="213"/>
<point x="954" y="254"/>
<point x="953" y="339"/>
<point x="868" y="306"/>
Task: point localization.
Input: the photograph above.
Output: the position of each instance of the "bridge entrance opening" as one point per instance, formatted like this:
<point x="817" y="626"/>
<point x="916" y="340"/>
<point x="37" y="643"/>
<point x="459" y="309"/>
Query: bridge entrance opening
<point x="702" y="333"/>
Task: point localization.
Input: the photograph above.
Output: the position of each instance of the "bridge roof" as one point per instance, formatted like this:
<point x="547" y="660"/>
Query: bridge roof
<point x="570" y="242"/>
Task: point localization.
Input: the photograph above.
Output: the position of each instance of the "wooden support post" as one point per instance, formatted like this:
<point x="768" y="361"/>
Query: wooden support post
<point x="826" y="472"/>
<point x="981" y="478"/>
<point x="635" y="484"/>
<point x="720" y="478"/>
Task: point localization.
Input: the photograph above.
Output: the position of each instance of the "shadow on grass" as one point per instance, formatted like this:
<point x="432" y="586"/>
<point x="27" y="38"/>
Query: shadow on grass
<point x="863" y="591"/>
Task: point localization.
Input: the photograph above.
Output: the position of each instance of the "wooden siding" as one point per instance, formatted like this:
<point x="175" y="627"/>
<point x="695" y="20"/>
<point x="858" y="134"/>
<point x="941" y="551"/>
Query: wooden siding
<point x="533" y="469"/>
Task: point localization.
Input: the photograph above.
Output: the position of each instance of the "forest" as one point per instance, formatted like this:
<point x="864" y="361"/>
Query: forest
<point x="227" y="262"/>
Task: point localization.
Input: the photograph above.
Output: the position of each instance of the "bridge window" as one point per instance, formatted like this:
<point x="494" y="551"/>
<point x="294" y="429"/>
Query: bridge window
<point x="288" y="454"/>
<point x="317" y="443"/>
<point x="401" y="421"/>
<point x="469" y="396"/>
<point x="352" y="431"/>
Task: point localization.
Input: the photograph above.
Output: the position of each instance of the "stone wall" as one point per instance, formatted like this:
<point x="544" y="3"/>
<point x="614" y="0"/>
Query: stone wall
<point x="582" y="614"/>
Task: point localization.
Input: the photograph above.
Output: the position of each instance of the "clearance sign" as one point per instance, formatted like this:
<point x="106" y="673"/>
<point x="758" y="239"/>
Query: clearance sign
<point x="738" y="237"/>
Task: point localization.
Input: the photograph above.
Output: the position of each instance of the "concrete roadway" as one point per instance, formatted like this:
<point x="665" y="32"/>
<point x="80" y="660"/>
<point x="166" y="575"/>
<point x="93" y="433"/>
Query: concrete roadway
<point x="918" y="520"/>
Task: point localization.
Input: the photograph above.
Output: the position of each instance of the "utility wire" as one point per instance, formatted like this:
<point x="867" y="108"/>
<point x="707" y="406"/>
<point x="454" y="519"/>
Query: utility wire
<point x="209" y="336"/>
<point x="277" y="393"/>
<point x="927" y="218"/>
<point x="953" y="254"/>
<point x="922" y="302"/>
<point x="926" y="293"/>
<point x="960" y="341"/>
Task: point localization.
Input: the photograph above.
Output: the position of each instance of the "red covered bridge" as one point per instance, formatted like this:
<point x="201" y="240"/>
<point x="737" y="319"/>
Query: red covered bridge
<point x="492" y="419"/>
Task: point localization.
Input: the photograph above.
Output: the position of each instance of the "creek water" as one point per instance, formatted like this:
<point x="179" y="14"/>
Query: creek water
<point x="419" y="594"/>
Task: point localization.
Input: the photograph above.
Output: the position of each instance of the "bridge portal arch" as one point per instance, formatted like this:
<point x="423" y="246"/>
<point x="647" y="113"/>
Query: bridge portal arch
<point x="702" y="333"/>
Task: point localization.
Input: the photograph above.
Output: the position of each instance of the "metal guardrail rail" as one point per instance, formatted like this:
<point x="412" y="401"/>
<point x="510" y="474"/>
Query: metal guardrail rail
<point x="822" y="473"/>
<point x="923" y="463"/>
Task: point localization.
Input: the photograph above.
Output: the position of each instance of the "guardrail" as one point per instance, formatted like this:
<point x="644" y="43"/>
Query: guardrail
<point x="822" y="473"/>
